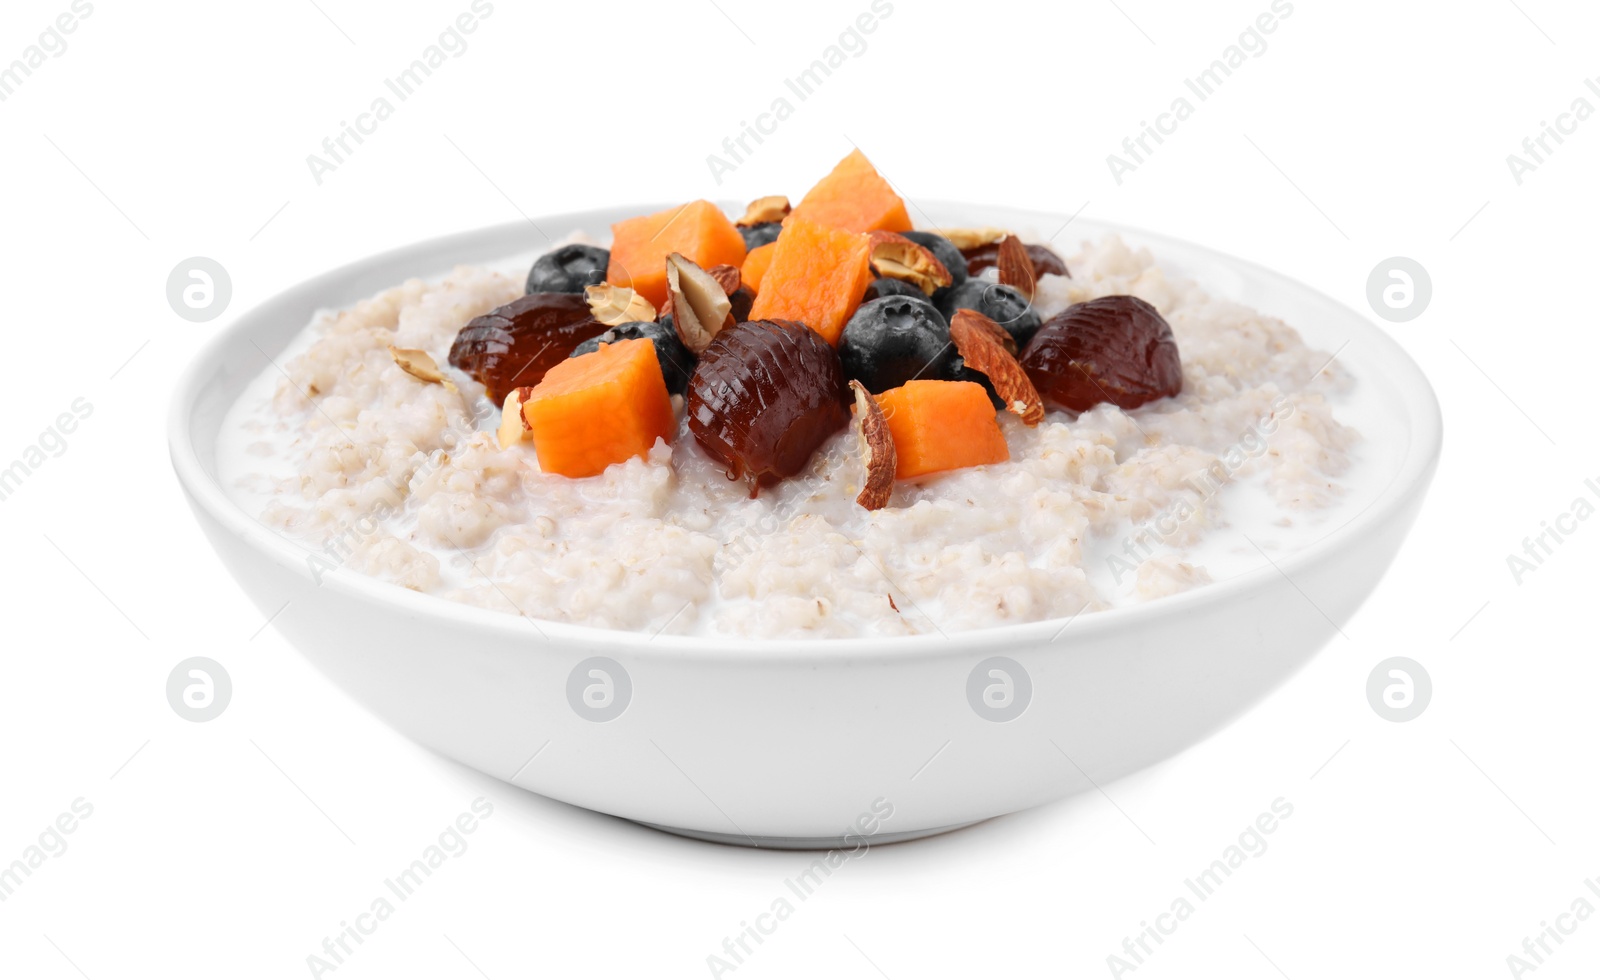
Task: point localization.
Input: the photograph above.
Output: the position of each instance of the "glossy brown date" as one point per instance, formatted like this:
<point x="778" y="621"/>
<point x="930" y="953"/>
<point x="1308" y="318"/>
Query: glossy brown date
<point x="1116" y="349"/>
<point x="516" y="344"/>
<point x="764" y="396"/>
<point x="987" y="256"/>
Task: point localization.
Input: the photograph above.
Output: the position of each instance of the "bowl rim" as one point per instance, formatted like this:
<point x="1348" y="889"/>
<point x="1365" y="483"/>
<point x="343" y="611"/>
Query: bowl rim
<point x="207" y="494"/>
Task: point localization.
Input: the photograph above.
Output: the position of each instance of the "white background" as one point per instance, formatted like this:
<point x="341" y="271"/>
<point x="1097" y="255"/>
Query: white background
<point x="230" y="849"/>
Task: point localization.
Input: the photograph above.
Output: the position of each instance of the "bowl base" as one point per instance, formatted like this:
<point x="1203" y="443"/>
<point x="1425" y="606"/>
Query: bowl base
<point x="804" y="843"/>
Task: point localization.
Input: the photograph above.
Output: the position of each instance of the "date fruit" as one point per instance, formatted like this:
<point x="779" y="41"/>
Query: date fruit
<point x="764" y="396"/>
<point x="1116" y="349"/>
<point x="987" y="256"/>
<point x="514" y="346"/>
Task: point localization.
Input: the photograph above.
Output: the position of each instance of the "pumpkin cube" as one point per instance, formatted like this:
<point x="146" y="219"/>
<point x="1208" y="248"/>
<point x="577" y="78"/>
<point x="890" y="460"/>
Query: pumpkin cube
<point x="756" y="265"/>
<point x="640" y="246"/>
<point x="599" y="408"/>
<point x="941" y="425"/>
<point x="854" y="197"/>
<point x="817" y="277"/>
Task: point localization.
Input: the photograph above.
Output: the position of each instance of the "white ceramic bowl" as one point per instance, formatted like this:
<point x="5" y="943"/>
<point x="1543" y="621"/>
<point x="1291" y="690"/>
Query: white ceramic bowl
<point x="809" y="743"/>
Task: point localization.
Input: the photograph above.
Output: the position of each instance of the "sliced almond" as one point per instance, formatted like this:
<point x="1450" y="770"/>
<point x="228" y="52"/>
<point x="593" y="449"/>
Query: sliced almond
<point x="616" y="305"/>
<point x="965" y="238"/>
<point x="1015" y="266"/>
<point x="995" y="330"/>
<point x="877" y="450"/>
<point x="729" y="277"/>
<point x="700" y="307"/>
<point x="514" y="426"/>
<point x="898" y="257"/>
<point x="975" y="339"/>
<point x="420" y="365"/>
<point x="764" y="210"/>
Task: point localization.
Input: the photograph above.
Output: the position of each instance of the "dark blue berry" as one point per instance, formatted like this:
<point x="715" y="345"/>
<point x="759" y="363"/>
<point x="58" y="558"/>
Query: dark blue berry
<point x="891" y="287"/>
<point x="756" y="236"/>
<point x="676" y="361"/>
<point x="1002" y="304"/>
<point x="568" y="269"/>
<point x="892" y="340"/>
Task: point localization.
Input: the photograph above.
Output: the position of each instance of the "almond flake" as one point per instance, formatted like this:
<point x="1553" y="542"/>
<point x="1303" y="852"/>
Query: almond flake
<point x="1001" y="335"/>
<point x="729" y="277"/>
<point x="877" y="450"/>
<point x="976" y="340"/>
<point x="700" y="307"/>
<point x="420" y="365"/>
<point x="898" y="257"/>
<point x="764" y="210"/>
<point x="1015" y="266"/>
<point x="616" y="305"/>
<point x="514" y="427"/>
<point x="965" y="238"/>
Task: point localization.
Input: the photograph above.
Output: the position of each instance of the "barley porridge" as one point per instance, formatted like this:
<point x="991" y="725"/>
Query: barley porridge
<point x="869" y="431"/>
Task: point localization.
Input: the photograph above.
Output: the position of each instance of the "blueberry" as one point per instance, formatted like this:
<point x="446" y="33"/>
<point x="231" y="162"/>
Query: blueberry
<point x="892" y="340"/>
<point x="756" y="236"/>
<point x="946" y="252"/>
<point x="568" y="269"/>
<point x="1002" y="304"/>
<point x="891" y="287"/>
<point x="676" y="361"/>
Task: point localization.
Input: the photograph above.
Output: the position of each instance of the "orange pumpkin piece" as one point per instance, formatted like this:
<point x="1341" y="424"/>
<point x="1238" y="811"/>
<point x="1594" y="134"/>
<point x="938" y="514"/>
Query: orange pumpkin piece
<point x="600" y="408"/>
<point x="941" y="425"/>
<point x="640" y="246"/>
<point x="817" y="277"/>
<point x="854" y="197"/>
<point x="756" y="264"/>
